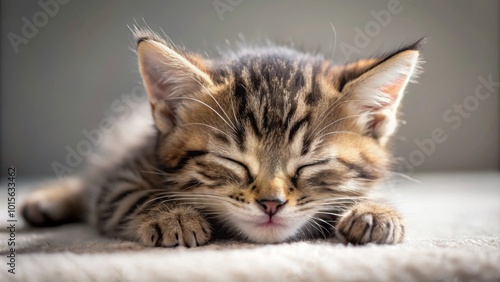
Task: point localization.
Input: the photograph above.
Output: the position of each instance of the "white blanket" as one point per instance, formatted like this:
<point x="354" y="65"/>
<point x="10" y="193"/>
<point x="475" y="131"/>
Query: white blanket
<point x="453" y="234"/>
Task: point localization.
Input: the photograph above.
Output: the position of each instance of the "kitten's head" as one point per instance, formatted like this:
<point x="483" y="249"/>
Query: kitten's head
<point x="272" y="141"/>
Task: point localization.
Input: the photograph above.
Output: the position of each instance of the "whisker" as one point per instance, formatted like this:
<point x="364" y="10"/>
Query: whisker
<point x="338" y="120"/>
<point x="205" y="104"/>
<point x="405" y="176"/>
<point x="215" y="100"/>
<point x="324" y="221"/>
<point x="332" y="107"/>
<point x="212" y="127"/>
<point x="329" y="213"/>
<point x="338" y="132"/>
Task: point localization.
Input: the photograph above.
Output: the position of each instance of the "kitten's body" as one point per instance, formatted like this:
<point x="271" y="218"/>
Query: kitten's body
<point x="270" y="144"/>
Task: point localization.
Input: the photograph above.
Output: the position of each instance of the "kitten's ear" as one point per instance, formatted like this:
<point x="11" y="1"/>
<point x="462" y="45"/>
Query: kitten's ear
<point x="374" y="94"/>
<point x="169" y="77"/>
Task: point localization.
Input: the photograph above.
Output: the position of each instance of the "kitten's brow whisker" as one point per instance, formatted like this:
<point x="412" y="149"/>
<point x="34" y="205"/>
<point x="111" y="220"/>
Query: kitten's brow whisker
<point x="338" y="120"/>
<point x="205" y="104"/>
<point x="335" y="40"/>
<point x="332" y="107"/>
<point x="234" y="111"/>
<point x="338" y="132"/>
<point x="215" y="100"/>
<point x="405" y="176"/>
<point x="212" y="127"/>
<point x="327" y="112"/>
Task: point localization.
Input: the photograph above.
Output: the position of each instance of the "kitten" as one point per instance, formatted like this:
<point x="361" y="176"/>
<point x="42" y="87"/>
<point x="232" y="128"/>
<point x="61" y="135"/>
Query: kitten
<point x="270" y="144"/>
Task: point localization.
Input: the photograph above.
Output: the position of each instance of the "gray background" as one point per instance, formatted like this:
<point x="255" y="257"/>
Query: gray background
<point x="65" y="78"/>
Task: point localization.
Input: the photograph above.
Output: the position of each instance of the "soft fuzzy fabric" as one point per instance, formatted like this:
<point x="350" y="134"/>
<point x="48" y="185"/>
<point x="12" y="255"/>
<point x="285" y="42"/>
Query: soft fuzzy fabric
<point x="453" y="235"/>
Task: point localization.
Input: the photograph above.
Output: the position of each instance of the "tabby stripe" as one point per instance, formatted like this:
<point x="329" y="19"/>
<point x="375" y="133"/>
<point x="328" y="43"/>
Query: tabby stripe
<point x="295" y="128"/>
<point x="154" y="202"/>
<point x="253" y="123"/>
<point x="187" y="157"/>
<point x="109" y="209"/>
<point x="302" y="198"/>
<point x="305" y="202"/>
<point x="216" y="175"/>
<point x="122" y="178"/>
<point x="241" y="95"/>
<point x="326" y="190"/>
<point x="240" y="137"/>
<point x="210" y="177"/>
<point x="255" y="76"/>
<point x="247" y="171"/>
<point x="159" y="233"/>
<point x="131" y="211"/>
<point x="306" y="143"/>
<point x="359" y="170"/>
<point x="222" y="138"/>
<point x="295" y="180"/>
<point x="365" y="229"/>
<point x="313" y="97"/>
<point x="191" y="184"/>
<point x="350" y="227"/>
<point x="121" y="208"/>
<point x="196" y="239"/>
<point x="290" y="114"/>
<point x="103" y="194"/>
<point x="265" y="120"/>
<point x="113" y="205"/>
<point x="120" y="196"/>
<point x="296" y="82"/>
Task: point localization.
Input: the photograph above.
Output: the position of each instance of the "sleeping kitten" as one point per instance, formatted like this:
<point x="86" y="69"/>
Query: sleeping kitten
<point x="269" y="144"/>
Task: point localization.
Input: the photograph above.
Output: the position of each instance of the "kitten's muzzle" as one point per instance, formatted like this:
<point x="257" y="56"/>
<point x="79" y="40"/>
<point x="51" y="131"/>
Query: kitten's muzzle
<point x="271" y="206"/>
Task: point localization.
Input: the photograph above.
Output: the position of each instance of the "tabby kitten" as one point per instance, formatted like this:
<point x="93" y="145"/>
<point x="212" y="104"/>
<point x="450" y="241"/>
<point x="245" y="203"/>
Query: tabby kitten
<point x="268" y="144"/>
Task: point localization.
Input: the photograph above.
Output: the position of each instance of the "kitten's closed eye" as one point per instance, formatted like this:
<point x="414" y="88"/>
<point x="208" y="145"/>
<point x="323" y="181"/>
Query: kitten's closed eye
<point x="249" y="177"/>
<point x="299" y="170"/>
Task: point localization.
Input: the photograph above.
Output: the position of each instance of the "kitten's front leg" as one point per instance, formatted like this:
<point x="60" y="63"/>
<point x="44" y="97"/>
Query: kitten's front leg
<point x="370" y="222"/>
<point x="134" y="213"/>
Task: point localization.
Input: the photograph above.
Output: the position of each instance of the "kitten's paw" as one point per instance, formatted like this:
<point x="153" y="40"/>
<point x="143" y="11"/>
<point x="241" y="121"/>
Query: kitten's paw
<point x="179" y="226"/>
<point x="370" y="222"/>
<point x="54" y="204"/>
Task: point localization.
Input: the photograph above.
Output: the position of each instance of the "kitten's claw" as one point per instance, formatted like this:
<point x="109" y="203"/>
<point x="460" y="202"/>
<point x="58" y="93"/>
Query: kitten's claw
<point x="370" y="222"/>
<point x="179" y="226"/>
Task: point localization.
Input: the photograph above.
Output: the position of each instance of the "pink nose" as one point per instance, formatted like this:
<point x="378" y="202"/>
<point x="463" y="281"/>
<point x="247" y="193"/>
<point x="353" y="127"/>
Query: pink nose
<point x="271" y="206"/>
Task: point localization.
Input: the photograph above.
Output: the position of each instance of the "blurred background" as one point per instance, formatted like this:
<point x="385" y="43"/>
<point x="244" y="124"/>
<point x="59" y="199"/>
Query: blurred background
<point x="63" y="64"/>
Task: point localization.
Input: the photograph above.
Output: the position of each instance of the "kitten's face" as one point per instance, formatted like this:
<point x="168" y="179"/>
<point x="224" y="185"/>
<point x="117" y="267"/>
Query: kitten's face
<point x="273" y="142"/>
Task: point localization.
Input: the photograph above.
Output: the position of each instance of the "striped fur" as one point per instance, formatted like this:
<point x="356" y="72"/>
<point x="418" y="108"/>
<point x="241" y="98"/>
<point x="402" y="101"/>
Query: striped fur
<point x="268" y="144"/>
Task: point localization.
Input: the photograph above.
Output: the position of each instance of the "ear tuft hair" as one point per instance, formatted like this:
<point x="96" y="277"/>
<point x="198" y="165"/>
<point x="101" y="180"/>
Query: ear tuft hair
<point x="143" y="34"/>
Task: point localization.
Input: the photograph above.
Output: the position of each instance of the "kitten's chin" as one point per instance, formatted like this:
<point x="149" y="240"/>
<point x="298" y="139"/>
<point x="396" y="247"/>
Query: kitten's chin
<point x="276" y="232"/>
